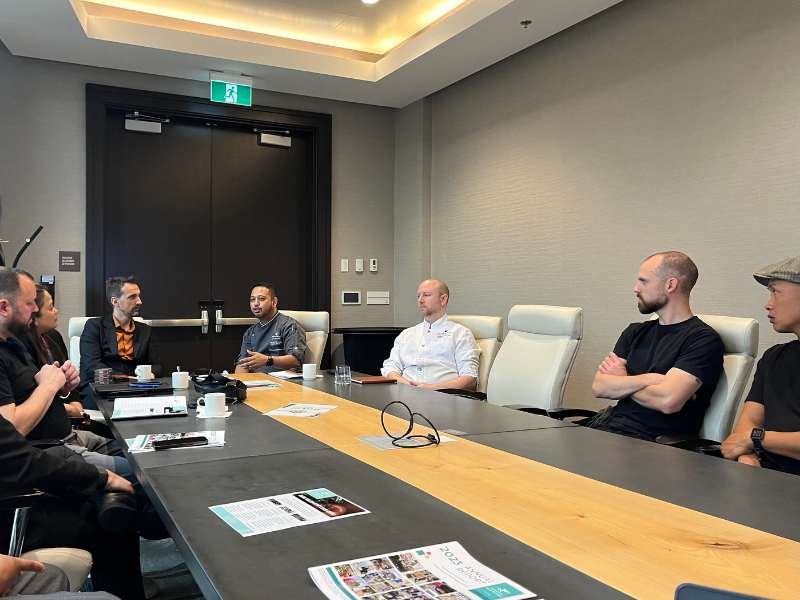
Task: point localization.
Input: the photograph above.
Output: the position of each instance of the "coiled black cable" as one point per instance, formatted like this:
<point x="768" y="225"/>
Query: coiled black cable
<point x="429" y="439"/>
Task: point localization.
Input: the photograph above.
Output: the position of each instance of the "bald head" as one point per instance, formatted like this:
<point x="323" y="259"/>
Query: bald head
<point x="432" y="298"/>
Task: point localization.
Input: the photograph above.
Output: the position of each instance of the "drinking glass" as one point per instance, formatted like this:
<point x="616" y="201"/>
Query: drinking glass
<point x="342" y="376"/>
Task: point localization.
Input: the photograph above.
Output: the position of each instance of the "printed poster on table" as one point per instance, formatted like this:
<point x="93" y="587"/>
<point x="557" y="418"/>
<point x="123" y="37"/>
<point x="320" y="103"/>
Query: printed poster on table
<point x="440" y="572"/>
<point x="273" y="513"/>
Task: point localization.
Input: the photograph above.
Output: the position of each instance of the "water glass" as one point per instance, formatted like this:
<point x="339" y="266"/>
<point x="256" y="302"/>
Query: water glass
<point x="342" y="375"/>
<point x="102" y="376"/>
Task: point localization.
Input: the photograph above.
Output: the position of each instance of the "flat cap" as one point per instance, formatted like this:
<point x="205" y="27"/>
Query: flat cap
<point x="786" y="270"/>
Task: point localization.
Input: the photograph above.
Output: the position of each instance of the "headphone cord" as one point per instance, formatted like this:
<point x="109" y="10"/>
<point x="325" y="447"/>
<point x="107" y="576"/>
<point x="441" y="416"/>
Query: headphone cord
<point x="430" y="439"/>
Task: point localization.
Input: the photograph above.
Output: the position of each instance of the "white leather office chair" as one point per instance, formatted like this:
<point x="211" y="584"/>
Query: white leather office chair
<point x="740" y="338"/>
<point x="487" y="331"/>
<point x="74" y="331"/>
<point x="537" y="355"/>
<point x="316" y="325"/>
<point x="75" y="563"/>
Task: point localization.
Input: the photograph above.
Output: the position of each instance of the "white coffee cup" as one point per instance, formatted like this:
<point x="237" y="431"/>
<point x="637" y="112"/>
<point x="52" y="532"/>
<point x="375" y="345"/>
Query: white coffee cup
<point x="310" y="371"/>
<point x="144" y="372"/>
<point x="180" y="380"/>
<point x="213" y="404"/>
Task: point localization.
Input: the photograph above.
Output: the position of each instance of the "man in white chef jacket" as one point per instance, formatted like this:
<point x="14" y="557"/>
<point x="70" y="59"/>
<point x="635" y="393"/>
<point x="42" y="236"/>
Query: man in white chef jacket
<point x="437" y="353"/>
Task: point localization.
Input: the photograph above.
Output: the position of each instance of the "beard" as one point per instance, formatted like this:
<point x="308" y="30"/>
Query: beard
<point x="648" y="308"/>
<point x="18" y="328"/>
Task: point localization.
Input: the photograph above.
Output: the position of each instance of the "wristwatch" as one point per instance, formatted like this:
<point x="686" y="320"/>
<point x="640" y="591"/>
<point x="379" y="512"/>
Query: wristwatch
<point x="757" y="436"/>
<point x="271" y="360"/>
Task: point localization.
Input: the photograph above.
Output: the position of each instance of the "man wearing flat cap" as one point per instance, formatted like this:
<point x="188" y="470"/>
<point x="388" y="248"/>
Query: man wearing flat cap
<point x="767" y="433"/>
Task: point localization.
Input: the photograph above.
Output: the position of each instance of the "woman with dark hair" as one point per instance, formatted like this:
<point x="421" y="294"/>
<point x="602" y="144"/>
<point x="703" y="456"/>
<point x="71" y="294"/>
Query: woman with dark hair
<point x="47" y="346"/>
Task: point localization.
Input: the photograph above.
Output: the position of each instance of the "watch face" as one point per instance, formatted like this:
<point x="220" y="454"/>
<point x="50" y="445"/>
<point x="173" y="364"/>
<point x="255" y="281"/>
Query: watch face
<point x="757" y="434"/>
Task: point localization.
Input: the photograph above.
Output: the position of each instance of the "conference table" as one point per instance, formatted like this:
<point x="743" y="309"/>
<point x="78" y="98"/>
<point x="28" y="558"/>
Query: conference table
<point x="565" y="511"/>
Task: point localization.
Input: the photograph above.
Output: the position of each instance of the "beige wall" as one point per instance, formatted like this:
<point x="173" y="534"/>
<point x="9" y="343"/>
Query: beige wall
<point x="655" y="125"/>
<point x="43" y="174"/>
<point x="412" y="207"/>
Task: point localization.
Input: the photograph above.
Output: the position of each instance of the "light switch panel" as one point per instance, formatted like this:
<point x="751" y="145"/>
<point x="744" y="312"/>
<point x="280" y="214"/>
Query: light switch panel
<point x="359" y="265"/>
<point x="344" y="265"/>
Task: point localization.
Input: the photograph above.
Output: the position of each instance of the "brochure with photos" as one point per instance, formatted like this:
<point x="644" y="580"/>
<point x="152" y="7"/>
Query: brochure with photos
<point x="440" y="572"/>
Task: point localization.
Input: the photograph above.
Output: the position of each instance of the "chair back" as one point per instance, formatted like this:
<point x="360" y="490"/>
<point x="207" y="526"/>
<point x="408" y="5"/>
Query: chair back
<point x="74" y="331"/>
<point x="487" y="331"/>
<point x="537" y="355"/>
<point x="740" y="339"/>
<point x="316" y="324"/>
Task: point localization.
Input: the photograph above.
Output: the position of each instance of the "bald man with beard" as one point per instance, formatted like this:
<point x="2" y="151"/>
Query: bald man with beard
<point x="436" y="353"/>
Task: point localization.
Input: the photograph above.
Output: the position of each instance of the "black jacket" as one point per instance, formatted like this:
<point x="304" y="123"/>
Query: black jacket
<point x="99" y="349"/>
<point x="56" y="470"/>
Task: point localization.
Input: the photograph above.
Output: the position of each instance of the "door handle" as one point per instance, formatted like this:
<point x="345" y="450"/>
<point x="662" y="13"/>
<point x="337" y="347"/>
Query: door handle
<point x="219" y="318"/>
<point x="204" y="320"/>
<point x="241" y="321"/>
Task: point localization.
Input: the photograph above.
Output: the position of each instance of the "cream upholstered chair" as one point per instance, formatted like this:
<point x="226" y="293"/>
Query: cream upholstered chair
<point x="74" y="331"/>
<point x="487" y="331"/>
<point x="740" y="339"/>
<point x="75" y="563"/>
<point x="537" y="355"/>
<point x="316" y="324"/>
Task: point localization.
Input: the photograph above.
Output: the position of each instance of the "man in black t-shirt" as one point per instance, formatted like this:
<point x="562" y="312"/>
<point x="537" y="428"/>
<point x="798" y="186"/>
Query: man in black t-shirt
<point x="663" y="372"/>
<point x="29" y="395"/>
<point x="767" y="433"/>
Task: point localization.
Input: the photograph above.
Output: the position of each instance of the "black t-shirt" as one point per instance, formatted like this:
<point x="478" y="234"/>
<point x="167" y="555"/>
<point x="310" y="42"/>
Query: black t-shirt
<point x="776" y="385"/>
<point x="650" y="347"/>
<point x="17" y="383"/>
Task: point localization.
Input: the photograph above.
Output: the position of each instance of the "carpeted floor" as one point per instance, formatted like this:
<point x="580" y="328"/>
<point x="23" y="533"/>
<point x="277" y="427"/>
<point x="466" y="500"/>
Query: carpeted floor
<point x="166" y="576"/>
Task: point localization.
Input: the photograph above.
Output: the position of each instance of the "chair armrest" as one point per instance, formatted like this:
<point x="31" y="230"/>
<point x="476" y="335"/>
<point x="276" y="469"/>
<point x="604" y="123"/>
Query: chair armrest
<point x="464" y="393"/>
<point x="534" y="410"/>
<point x="43" y="444"/>
<point x="82" y="422"/>
<point x="568" y="413"/>
<point x="23" y="499"/>
<point x="694" y="444"/>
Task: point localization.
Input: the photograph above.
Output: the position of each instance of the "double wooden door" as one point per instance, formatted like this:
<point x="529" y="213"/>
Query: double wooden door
<point x="199" y="213"/>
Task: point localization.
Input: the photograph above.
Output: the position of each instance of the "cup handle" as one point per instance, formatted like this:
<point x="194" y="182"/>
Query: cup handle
<point x="201" y="401"/>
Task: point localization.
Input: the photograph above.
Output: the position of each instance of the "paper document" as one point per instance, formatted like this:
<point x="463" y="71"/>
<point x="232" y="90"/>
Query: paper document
<point x="290" y="375"/>
<point x="262" y="383"/>
<point x="287" y="375"/>
<point x="443" y="571"/>
<point x="144" y="443"/>
<point x="273" y="513"/>
<point x="301" y="410"/>
<point x="150" y="406"/>
<point x="384" y="442"/>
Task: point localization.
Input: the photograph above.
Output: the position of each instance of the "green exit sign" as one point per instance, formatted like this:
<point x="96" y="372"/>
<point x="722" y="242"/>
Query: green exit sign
<point x="231" y="93"/>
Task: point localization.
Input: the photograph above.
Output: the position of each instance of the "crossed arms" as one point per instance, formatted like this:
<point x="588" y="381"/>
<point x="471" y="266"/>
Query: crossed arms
<point x="665" y="393"/>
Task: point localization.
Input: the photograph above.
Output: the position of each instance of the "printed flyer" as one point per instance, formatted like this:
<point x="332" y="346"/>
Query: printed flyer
<point x="440" y="572"/>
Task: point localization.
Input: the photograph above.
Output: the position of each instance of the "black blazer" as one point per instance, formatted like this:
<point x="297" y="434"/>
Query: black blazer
<point x="99" y="349"/>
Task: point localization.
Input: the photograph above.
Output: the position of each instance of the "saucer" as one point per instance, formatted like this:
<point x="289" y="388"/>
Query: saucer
<point x="200" y="414"/>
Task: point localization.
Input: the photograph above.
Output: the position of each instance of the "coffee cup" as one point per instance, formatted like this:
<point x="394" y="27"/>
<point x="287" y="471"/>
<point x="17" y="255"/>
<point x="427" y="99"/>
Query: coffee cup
<point x="180" y="380"/>
<point x="310" y="371"/>
<point x="213" y="404"/>
<point x="144" y="372"/>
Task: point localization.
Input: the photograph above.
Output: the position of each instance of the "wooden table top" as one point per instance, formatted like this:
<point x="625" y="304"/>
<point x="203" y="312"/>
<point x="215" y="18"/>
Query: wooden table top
<point x="636" y="544"/>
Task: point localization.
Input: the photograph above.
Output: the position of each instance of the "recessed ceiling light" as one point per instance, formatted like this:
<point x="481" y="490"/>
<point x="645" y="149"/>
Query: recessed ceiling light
<point x="370" y="1"/>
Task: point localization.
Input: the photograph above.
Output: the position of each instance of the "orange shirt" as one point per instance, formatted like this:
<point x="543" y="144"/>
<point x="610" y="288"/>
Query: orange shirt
<point x="125" y="339"/>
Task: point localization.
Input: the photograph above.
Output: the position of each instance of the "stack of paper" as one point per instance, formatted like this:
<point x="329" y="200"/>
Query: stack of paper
<point x="150" y="406"/>
<point x="144" y="443"/>
<point x="301" y="410"/>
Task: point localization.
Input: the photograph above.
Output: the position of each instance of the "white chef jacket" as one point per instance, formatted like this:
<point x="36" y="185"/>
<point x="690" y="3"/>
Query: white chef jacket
<point x="434" y="352"/>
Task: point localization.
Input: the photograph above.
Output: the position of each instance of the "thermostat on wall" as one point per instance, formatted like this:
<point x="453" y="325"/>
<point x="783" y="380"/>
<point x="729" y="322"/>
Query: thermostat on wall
<point x="351" y="297"/>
